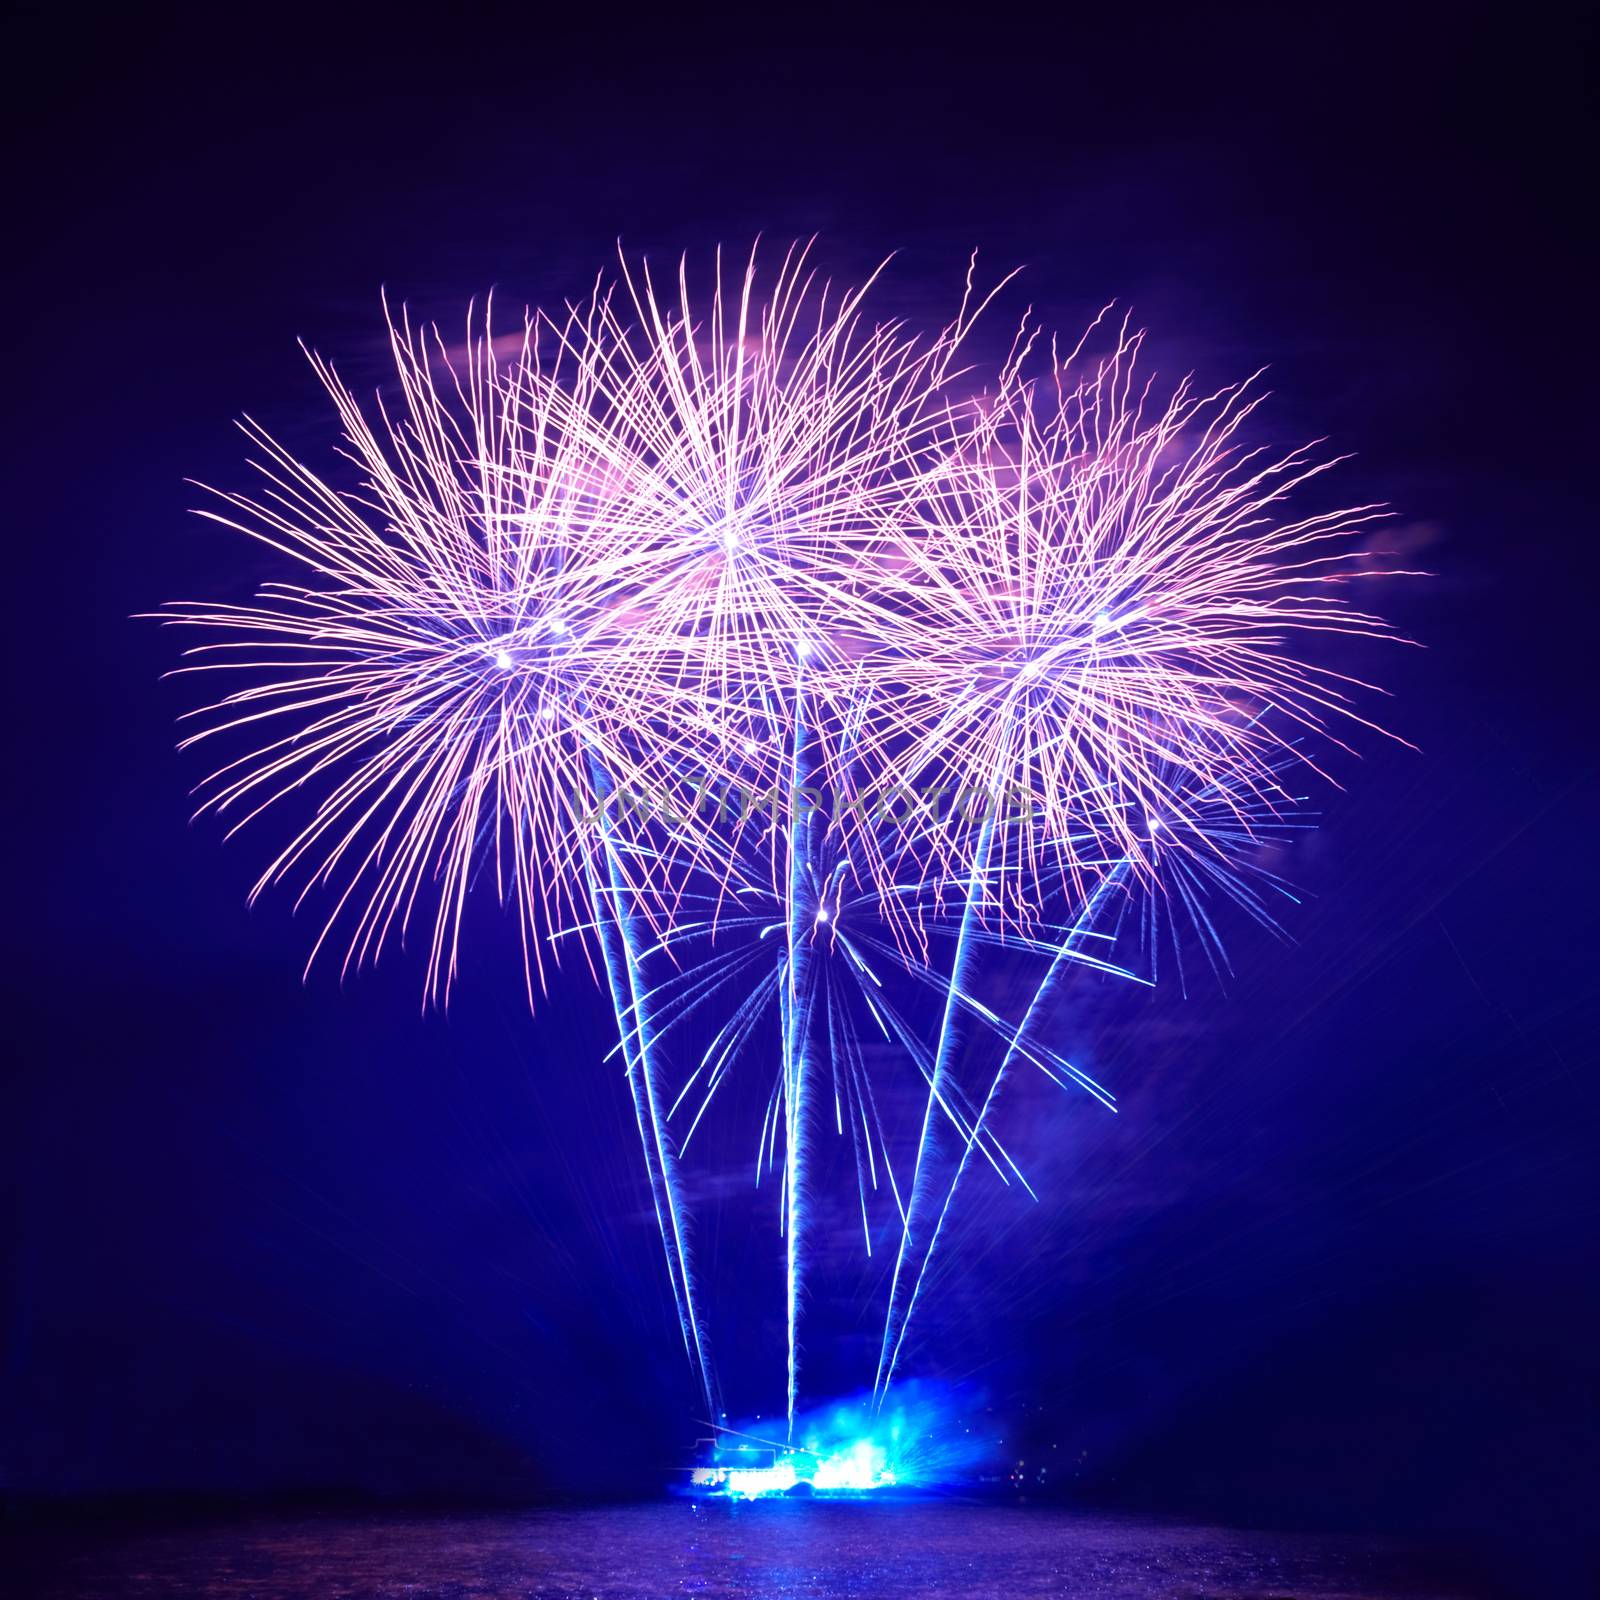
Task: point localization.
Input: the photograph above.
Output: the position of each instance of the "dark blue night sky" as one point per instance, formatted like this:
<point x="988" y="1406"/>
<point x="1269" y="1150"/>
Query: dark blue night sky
<point x="1334" y="1264"/>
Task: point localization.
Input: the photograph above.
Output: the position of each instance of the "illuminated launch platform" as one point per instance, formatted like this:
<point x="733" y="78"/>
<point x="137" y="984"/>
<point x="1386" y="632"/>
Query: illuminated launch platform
<point x="927" y="1439"/>
<point x="742" y="1467"/>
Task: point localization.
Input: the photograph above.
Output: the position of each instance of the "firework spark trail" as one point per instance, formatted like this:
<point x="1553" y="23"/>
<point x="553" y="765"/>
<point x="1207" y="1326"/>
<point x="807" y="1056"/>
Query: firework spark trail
<point x="836" y="949"/>
<point x="852" y="929"/>
<point x="750" y="445"/>
<point x="1206" y="848"/>
<point x="677" y="540"/>
<point x="754" y="437"/>
<point x="434" y="680"/>
<point x="976" y="888"/>
<point x="1102" y="585"/>
<point x="1099" y="589"/>
<point x="804" y="908"/>
<point x="440" y="675"/>
<point x="565" y="578"/>
<point x="1212" y="846"/>
<point x="614" y="916"/>
<point x="897" y="1320"/>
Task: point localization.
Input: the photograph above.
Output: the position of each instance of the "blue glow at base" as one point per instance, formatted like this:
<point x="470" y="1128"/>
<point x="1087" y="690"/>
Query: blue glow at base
<point x="921" y="1440"/>
<point x="861" y="1467"/>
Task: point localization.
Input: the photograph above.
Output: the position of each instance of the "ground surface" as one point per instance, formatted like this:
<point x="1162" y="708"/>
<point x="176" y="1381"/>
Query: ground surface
<point x="770" y="1550"/>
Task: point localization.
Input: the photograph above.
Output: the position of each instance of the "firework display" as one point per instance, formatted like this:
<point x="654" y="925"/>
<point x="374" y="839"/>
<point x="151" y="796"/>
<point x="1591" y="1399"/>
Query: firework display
<point x="782" y="668"/>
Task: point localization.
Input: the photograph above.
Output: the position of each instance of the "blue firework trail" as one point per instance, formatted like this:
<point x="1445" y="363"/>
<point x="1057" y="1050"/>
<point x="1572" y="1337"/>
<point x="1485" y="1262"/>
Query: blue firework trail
<point x="1209" y="846"/>
<point x="616" y="922"/>
<point x="802" y="909"/>
<point x="821" y="950"/>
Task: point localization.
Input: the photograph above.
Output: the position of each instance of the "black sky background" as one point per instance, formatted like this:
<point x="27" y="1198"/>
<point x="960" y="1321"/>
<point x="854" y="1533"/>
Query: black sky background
<point x="1335" y="1261"/>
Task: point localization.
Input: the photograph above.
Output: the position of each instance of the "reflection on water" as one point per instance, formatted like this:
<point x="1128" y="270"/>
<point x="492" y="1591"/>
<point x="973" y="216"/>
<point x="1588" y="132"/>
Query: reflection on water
<point x="771" y="1550"/>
